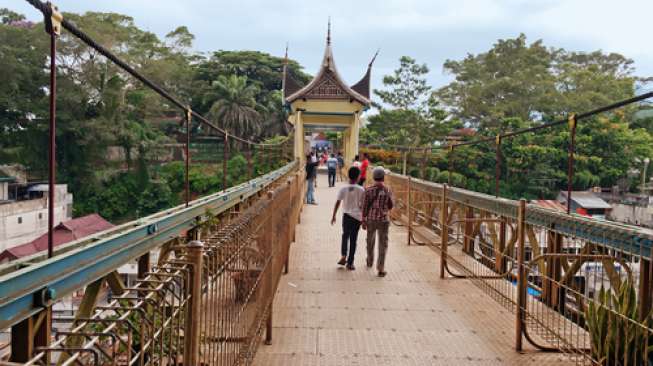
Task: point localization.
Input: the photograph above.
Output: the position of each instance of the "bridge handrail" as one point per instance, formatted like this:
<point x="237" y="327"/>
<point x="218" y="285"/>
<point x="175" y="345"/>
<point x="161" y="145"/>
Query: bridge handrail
<point x="84" y="261"/>
<point x="627" y="238"/>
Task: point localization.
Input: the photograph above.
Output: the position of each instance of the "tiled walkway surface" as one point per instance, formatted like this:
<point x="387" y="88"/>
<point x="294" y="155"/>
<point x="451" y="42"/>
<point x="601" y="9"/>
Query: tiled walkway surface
<point x="325" y="315"/>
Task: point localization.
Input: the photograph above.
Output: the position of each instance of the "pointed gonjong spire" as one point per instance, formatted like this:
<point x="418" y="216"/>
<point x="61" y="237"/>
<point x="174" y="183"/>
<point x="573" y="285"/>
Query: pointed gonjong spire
<point x="329" y="31"/>
<point x="288" y="84"/>
<point x="327" y="83"/>
<point x="362" y="87"/>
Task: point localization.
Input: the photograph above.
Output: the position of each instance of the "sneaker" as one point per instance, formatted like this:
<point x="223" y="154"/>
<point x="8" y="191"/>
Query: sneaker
<point x="382" y="273"/>
<point x="351" y="267"/>
<point x="342" y="261"/>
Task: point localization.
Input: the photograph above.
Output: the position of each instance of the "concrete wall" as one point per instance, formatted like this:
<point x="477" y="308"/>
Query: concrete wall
<point x="4" y="191"/>
<point x="24" y="221"/>
<point x="631" y="214"/>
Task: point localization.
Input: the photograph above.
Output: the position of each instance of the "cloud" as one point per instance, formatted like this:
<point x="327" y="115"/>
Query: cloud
<point x="429" y="30"/>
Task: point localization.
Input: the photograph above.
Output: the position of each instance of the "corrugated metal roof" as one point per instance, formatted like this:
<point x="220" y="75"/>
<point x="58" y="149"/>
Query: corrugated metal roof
<point x="587" y="199"/>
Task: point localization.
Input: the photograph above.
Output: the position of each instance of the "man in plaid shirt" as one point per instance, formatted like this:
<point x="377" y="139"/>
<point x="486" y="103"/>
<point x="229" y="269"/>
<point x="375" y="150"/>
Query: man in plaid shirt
<point x="376" y="204"/>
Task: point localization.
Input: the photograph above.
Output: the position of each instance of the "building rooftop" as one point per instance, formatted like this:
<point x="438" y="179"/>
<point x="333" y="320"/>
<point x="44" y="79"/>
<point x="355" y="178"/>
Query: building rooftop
<point x="65" y="232"/>
<point x="586" y="199"/>
<point x="327" y="84"/>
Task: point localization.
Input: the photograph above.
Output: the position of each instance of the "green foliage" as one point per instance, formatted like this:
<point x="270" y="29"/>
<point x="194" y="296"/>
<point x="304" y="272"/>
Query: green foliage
<point x="457" y="179"/>
<point x="414" y="118"/>
<point x="262" y="73"/>
<point x="235" y="106"/>
<point x="532" y="82"/>
<point x="408" y="87"/>
<point x="7" y="16"/>
<point x="104" y="113"/>
<point x="616" y="336"/>
<point x="511" y="86"/>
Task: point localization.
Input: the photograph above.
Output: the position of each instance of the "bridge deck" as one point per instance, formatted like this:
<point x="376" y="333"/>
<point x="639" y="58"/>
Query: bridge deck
<point x="325" y="315"/>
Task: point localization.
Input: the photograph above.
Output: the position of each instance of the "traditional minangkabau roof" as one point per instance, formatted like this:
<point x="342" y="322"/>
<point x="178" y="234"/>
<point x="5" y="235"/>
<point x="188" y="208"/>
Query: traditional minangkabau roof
<point x="327" y="84"/>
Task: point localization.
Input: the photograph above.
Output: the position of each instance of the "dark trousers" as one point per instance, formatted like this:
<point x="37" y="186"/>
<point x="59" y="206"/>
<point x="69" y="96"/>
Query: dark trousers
<point x="350" y="227"/>
<point x="332" y="177"/>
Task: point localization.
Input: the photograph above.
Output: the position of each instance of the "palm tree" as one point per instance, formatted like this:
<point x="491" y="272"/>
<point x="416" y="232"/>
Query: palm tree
<point x="235" y="109"/>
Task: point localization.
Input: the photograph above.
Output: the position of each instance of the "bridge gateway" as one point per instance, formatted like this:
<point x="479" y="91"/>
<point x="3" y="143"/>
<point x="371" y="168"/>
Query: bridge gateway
<point x="327" y="103"/>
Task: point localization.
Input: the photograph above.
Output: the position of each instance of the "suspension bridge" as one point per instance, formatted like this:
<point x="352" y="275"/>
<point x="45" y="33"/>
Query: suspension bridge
<point x="249" y="276"/>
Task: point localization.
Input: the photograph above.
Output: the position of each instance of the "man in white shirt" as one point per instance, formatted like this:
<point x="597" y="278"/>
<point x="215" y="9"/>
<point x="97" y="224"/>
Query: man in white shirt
<point x="352" y="197"/>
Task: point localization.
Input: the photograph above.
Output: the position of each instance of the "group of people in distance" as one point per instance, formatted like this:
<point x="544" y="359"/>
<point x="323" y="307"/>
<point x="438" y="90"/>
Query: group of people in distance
<point x="362" y="207"/>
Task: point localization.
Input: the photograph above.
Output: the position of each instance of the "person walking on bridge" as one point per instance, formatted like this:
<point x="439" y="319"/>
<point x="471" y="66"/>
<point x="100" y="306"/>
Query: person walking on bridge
<point x="341" y="166"/>
<point x="311" y="175"/>
<point x="364" y="165"/>
<point x="332" y="165"/>
<point x="351" y="197"/>
<point x="376" y="204"/>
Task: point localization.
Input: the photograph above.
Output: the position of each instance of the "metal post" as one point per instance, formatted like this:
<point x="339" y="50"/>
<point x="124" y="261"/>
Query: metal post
<point x="30" y="333"/>
<point x="408" y="211"/>
<point x="521" y="279"/>
<point x="499" y="260"/>
<point x="268" y="327"/>
<point x="143" y="265"/>
<point x="249" y="162"/>
<point x="405" y="157"/>
<point x="646" y="162"/>
<point x="423" y="170"/>
<point x="645" y="281"/>
<point x="225" y="158"/>
<point x="450" y="161"/>
<point x="554" y="269"/>
<point x="189" y="116"/>
<point x="192" y="324"/>
<point x="497" y="169"/>
<point x="468" y="242"/>
<point x="570" y="164"/>
<point x="52" y="29"/>
<point x="268" y="160"/>
<point x="444" y="231"/>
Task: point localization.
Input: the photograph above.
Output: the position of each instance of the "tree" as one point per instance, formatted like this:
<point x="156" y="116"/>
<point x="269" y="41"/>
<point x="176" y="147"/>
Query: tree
<point x="235" y="109"/>
<point x="532" y="82"/>
<point x="512" y="79"/>
<point x="262" y="71"/>
<point x="407" y="85"/>
<point x="414" y="117"/>
<point x="7" y="16"/>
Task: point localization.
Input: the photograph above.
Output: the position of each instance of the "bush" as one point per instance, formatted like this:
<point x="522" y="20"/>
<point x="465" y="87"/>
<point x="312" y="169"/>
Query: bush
<point x="432" y="173"/>
<point x="457" y="180"/>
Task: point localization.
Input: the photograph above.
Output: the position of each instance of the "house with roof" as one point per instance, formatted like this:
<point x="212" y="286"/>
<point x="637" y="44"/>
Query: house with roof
<point x="585" y="203"/>
<point x="24" y="207"/>
<point x="63" y="233"/>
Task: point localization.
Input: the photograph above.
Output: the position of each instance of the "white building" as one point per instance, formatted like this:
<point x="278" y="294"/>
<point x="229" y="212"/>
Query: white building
<point x="24" y="210"/>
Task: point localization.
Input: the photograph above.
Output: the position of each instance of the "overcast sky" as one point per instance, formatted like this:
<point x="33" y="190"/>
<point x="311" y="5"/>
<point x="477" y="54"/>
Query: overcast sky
<point x="431" y="31"/>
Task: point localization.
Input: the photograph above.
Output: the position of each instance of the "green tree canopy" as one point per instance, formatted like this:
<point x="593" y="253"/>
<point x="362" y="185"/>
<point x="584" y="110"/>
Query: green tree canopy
<point x="235" y="107"/>
<point x="408" y="115"/>
<point x="532" y="82"/>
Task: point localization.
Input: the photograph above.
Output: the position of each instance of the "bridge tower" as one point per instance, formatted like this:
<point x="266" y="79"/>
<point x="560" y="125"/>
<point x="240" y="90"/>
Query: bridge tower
<point x="326" y="103"/>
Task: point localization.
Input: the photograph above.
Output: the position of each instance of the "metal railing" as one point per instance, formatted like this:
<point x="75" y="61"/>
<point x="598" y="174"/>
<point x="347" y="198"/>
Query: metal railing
<point x="207" y="301"/>
<point x="577" y="285"/>
<point x="177" y="309"/>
